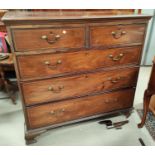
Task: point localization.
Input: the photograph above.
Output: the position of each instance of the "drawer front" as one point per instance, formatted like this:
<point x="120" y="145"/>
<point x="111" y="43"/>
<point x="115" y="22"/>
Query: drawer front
<point x="115" y="35"/>
<point x="44" y="65"/>
<point x="75" y="86"/>
<point x="69" y="110"/>
<point x="34" y="39"/>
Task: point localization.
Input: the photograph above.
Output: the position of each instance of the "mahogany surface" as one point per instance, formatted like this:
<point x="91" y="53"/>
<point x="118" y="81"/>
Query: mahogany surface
<point x="74" y="66"/>
<point x="134" y="33"/>
<point x="53" y="113"/>
<point x="68" y="38"/>
<point x="5" y="83"/>
<point x="33" y="66"/>
<point x="148" y="95"/>
<point x="67" y="15"/>
<point x="77" y="85"/>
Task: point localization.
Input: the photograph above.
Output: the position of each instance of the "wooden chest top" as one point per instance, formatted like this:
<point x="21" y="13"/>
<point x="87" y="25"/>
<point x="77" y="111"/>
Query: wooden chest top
<point x="15" y="16"/>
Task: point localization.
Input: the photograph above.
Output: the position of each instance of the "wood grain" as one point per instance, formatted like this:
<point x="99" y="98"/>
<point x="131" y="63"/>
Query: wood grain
<point x="30" y="39"/>
<point x="53" y="113"/>
<point x="40" y="16"/>
<point x="149" y="94"/>
<point x="33" y="66"/>
<point x="92" y="68"/>
<point x="102" y="35"/>
<point x="75" y="86"/>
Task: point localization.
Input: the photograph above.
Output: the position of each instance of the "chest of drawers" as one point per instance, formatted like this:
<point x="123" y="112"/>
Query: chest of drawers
<point x="73" y="67"/>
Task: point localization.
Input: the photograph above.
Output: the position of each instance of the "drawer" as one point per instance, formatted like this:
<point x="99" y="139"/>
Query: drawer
<point x="45" y="65"/>
<point x="116" y="35"/>
<point x="74" y="86"/>
<point x="44" y="38"/>
<point x="54" y="113"/>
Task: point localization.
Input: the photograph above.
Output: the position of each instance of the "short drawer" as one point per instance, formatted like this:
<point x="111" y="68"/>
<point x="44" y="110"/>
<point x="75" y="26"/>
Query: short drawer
<point x="44" y="65"/>
<point x="54" y="113"/>
<point x="74" y="86"/>
<point x="116" y="35"/>
<point x="44" y="38"/>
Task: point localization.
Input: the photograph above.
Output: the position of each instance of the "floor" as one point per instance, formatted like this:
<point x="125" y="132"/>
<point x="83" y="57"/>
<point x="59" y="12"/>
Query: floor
<point x="83" y="134"/>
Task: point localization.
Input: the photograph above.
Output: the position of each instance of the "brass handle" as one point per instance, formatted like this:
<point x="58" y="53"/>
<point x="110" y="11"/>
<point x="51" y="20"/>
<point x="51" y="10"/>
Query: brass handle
<point x="123" y="32"/>
<point x="118" y="33"/>
<point x="44" y="37"/>
<point x="113" y="33"/>
<point x="116" y="58"/>
<point x="57" y="112"/>
<point x="53" y="66"/>
<point x="49" y="39"/>
<point x="46" y="62"/>
<point x="56" y="90"/>
<point x="116" y="80"/>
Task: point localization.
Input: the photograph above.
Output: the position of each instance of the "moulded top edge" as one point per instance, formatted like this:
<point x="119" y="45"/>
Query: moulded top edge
<point x="61" y="15"/>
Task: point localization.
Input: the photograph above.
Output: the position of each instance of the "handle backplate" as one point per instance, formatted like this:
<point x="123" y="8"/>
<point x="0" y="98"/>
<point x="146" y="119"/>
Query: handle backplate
<point x="117" y="57"/>
<point x="53" y="66"/>
<point x="51" y="38"/>
<point x="118" y="33"/>
<point x="56" y="90"/>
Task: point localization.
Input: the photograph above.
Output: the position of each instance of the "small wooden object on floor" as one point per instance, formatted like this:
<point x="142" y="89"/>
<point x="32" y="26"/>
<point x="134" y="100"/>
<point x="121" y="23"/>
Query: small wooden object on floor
<point x="5" y="83"/>
<point x="148" y="94"/>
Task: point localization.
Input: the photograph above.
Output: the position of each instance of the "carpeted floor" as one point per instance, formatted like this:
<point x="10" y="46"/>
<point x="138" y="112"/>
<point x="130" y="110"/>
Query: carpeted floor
<point x="150" y="122"/>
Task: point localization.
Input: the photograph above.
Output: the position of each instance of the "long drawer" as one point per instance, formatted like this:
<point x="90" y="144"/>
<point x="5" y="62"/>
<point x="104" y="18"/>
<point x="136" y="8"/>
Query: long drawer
<point x="76" y="86"/>
<point x="116" y="35"/>
<point x="59" y="112"/>
<point x="44" y="38"/>
<point x="44" y="65"/>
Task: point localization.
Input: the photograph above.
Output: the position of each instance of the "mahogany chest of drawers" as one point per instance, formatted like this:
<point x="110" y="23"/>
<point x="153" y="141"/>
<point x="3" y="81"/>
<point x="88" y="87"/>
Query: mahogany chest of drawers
<point x="74" y="66"/>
